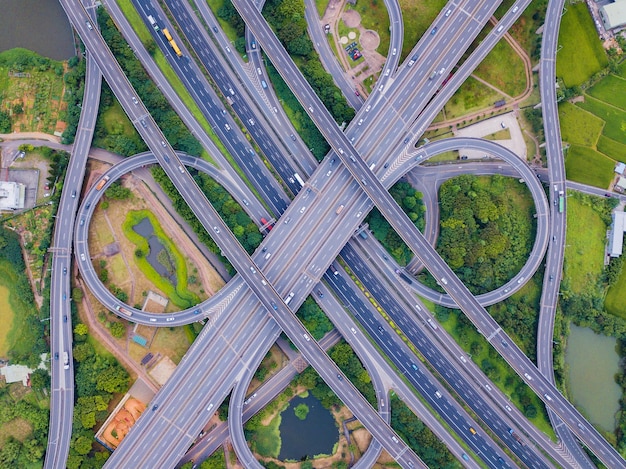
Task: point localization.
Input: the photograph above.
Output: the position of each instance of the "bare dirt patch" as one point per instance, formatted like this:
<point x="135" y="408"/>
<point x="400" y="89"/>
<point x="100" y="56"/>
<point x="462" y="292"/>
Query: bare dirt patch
<point x="370" y="40"/>
<point x="351" y="18"/>
<point x="17" y="428"/>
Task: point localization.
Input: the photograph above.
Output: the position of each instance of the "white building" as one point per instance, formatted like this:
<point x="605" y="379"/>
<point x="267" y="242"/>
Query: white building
<point x="619" y="168"/>
<point x="616" y="234"/>
<point x="12" y="195"/>
<point x="614" y="14"/>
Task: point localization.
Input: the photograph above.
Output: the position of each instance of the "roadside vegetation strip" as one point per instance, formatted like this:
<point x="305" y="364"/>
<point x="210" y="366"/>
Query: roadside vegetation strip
<point x="587" y="219"/>
<point x="588" y="166"/>
<point x="494" y="367"/>
<point x="582" y="54"/>
<point x="179" y="294"/>
<point x="614" y="301"/>
<point x="6" y="318"/>
<point x="471" y="96"/>
<point x="611" y="89"/>
<point x="579" y="127"/>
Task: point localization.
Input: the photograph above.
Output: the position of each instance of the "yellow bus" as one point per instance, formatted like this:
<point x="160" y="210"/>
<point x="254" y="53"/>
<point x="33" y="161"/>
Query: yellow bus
<point x="167" y="34"/>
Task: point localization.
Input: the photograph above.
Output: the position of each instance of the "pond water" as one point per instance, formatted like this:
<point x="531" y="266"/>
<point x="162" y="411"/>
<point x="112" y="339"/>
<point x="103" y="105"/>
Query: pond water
<point x="37" y="25"/>
<point x="317" y="434"/>
<point x="593" y="363"/>
<point x="145" y="229"/>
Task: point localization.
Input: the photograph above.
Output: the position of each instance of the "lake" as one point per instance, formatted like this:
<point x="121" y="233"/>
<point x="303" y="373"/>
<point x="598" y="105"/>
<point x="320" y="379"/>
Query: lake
<point x="37" y="25"/>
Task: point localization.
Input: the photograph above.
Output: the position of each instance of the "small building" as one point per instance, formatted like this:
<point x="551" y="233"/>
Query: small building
<point x="619" y="168"/>
<point x="620" y="186"/>
<point x="12" y="195"/>
<point x="616" y="234"/>
<point x="614" y="14"/>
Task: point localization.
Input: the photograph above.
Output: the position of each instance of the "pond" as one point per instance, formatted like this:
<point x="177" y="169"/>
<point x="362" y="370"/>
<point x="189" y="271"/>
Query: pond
<point x="37" y="25"/>
<point x="157" y="252"/>
<point x="317" y="434"/>
<point x="593" y="363"/>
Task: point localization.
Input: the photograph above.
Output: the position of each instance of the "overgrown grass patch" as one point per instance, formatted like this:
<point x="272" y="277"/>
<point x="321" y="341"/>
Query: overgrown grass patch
<point x="179" y="294"/>
<point x="579" y="127"/>
<point x="588" y="166"/>
<point x="584" y="252"/>
<point x="581" y="54"/>
<point x="6" y="318"/>
<point x="172" y="342"/>
<point x="471" y="96"/>
<point x="611" y="89"/>
<point x="267" y="440"/>
<point x="417" y="18"/>
<point x="614" y="302"/>
<point x="614" y="117"/>
<point x="19" y="335"/>
<point x="504" y="69"/>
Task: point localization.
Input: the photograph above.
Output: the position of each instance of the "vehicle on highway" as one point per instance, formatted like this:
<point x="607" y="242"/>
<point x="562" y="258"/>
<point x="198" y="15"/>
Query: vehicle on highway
<point x="56" y="355"/>
<point x="216" y="229"/>
<point x="438" y="394"/>
<point x="472" y="431"/>
<point x="448" y="13"/>
<point x="163" y="144"/>
<point x="394" y="52"/>
<point x="89" y="25"/>
<point x="134" y="100"/>
<point x="66" y="361"/>
<point x="320" y="294"/>
<point x="356" y="92"/>
<point x="64" y="270"/>
<point x="287" y="220"/>
<point x="339" y="209"/>
<point x="74" y="194"/>
<point x="434" y="31"/>
<point x="274" y="306"/>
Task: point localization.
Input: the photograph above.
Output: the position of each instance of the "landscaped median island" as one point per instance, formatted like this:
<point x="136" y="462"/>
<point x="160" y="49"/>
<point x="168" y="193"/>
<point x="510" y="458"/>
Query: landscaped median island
<point x="170" y="275"/>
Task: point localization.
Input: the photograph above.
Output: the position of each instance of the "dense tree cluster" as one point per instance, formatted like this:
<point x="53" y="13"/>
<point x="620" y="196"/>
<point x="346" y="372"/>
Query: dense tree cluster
<point x="74" y="90"/>
<point x="314" y="318"/>
<point x="411" y="202"/>
<point x="485" y="236"/>
<point x="173" y="128"/>
<point x="419" y="437"/>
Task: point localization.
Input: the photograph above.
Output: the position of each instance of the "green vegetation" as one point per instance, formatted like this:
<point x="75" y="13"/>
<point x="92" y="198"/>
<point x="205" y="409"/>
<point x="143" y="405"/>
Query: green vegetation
<point x="411" y="202"/>
<point x="215" y="461"/>
<point x="6" y="316"/>
<point x="613" y="302"/>
<point x="587" y="219"/>
<point x="471" y="96"/>
<point x="287" y="18"/>
<point x="579" y="127"/>
<point x="178" y="294"/>
<point x="175" y="131"/>
<point x="230" y="22"/>
<point x="486" y="229"/>
<point x="419" y="437"/>
<point x="582" y="54"/>
<point x="314" y="318"/>
<point x="99" y="378"/>
<point x="417" y="18"/>
<point x="504" y="69"/>
<point x="524" y="29"/>
<point x="31" y="91"/>
<point x="614" y="117"/>
<point x="301" y="411"/>
<point x="610" y="90"/>
<point x="114" y="131"/>
<point x="588" y="166"/>
<point x="611" y="148"/>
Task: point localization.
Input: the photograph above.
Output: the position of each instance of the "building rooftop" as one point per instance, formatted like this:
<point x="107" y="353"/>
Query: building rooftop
<point x="620" y="167"/>
<point x="616" y="239"/>
<point x="614" y="14"/>
<point x="12" y="195"/>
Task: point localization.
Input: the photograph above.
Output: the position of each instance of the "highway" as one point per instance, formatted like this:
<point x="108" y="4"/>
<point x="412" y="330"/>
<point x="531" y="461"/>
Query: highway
<point x="245" y="266"/>
<point x="62" y="374"/>
<point x="361" y="173"/>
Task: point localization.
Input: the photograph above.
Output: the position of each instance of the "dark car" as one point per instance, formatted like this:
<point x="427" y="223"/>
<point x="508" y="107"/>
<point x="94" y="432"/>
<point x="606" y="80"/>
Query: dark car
<point x="64" y="270"/>
<point x="356" y="92"/>
<point x="339" y="378"/>
<point x="56" y="355"/>
<point x="65" y="318"/>
<point x="155" y="407"/>
<point x="214" y="29"/>
<point x="434" y="31"/>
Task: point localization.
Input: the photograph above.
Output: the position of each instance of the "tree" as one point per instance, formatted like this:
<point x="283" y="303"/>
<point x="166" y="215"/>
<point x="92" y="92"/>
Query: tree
<point x="118" y="330"/>
<point x="81" y="329"/>
<point x="5" y="122"/>
<point x="301" y="411"/>
<point x="39" y="379"/>
<point x="77" y="294"/>
<point x="113" y="379"/>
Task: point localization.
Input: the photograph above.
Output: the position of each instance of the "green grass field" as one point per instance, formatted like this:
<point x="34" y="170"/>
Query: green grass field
<point x="611" y="148"/>
<point x="19" y="336"/>
<point x="612" y="90"/>
<point x="6" y="318"/>
<point x="614" y="303"/>
<point x="586" y="236"/>
<point x="230" y="32"/>
<point x="267" y="440"/>
<point x="614" y="117"/>
<point x="588" y="166"/>
<point x="374" y="16"/>
<point x="622" y="70"/>
<point x="579" y="127"/>
<point x="417" y="17"/>
<point x="471" y="96"/>
<point x="504" y="69"/>
<point x="321" y="7"/>
<point x="581" y="55"/>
